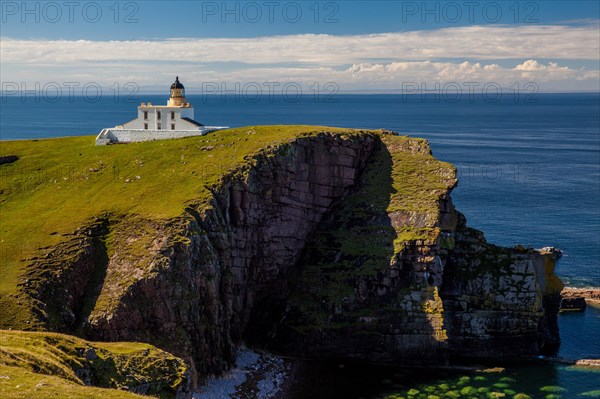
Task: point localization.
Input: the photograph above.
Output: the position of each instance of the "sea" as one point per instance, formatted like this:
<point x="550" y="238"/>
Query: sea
<point x="529" y="174"/>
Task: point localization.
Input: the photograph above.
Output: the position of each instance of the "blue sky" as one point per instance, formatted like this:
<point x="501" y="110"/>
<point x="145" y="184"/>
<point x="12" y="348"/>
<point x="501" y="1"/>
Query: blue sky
<point x="150" y="19"/>
<point x="359" y="45"/>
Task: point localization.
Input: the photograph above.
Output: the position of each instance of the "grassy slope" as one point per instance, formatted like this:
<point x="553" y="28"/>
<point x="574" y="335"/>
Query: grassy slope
<point x="43" y="365"/>
<point x="58" y="184"/>
<point x="17" y="383"/>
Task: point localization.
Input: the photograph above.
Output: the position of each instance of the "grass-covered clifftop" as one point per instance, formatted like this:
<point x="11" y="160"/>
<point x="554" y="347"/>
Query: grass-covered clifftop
<point x="48" y="365"/>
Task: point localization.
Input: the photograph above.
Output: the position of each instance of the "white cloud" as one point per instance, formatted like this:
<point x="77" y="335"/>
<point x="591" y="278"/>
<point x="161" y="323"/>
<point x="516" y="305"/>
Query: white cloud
<point x="530" y="65"/>
<point x="357" y="61"/>
<point x="532" y="69"/>
<point x="475" y="42"/>
<point x="466" y="72"/>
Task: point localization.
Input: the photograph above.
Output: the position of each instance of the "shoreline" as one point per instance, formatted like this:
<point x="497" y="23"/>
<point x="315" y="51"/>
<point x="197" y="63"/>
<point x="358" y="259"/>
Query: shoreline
<point x="256" y="374"/>
<point x="262" y="375"/>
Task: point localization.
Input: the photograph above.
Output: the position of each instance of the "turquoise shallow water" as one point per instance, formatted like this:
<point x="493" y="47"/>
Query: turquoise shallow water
<point x="535" y="381"/>
<point x="579" y="331"/>
<point x="529" y="174"/>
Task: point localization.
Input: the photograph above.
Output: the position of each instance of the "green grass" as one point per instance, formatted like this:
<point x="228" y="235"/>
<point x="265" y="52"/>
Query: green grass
<point x="58" y="185"/>
<point x="17" y="383"/>
<point x="44" y="365"/>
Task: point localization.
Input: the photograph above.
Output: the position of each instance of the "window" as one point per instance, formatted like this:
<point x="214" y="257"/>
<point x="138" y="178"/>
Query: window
<point x="159" y="126"/>
<point x="145" y="115"/>
<point x="172" y="115"/>
<point x="158" y="115"/>
<point x="172" y="126"/>
<point x="145" y="126"/>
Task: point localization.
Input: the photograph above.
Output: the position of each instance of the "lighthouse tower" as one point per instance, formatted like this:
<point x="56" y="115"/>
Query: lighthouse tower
<point x="177" y="95"/>
<point x="158" y="122"/>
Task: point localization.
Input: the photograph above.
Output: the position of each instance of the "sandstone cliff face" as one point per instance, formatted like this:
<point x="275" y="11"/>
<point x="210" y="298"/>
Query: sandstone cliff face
<point x="334" y="246"/>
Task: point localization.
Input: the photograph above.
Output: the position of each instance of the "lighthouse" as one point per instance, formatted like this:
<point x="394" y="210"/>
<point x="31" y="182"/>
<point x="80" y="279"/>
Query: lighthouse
<point x="159" y="122"/>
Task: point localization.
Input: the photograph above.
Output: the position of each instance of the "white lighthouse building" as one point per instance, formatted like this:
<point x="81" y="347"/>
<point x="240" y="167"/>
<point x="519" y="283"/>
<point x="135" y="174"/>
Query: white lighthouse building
<point x="159" y="122"/>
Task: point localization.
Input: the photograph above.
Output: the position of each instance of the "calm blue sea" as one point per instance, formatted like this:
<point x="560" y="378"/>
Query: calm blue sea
<point x="529" y="170"/>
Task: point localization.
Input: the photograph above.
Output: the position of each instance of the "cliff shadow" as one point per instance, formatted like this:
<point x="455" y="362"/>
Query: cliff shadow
<point x="340" y="249"/>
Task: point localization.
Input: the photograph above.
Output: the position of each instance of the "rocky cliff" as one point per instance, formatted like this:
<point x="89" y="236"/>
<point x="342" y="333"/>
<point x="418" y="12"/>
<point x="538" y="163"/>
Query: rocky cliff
<point x="332" y="245"/>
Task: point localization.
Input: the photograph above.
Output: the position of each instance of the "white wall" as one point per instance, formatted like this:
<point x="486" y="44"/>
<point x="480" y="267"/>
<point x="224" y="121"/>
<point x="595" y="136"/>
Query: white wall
<point x="108" y="136"/>
<point x="131" y="135"/>
<point x="165" y="120"/>
<point x="187" y="112"/>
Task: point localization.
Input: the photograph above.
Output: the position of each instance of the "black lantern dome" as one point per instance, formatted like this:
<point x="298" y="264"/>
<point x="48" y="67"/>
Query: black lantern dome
<point x="177" y="89"/>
